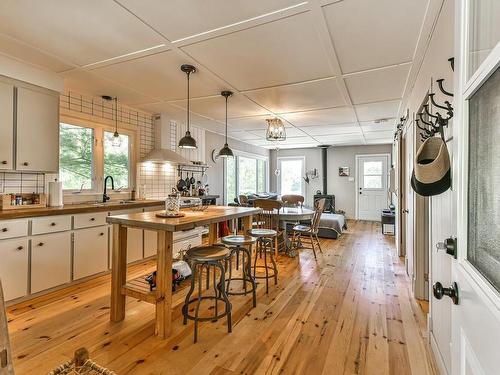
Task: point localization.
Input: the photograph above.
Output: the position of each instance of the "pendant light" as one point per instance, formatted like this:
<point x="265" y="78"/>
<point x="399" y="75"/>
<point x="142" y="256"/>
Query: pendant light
<point x="188" y="141"/>
<point x="275" y="130"/>
<point x="226" y="152"/>
<point x="117" y="140"/>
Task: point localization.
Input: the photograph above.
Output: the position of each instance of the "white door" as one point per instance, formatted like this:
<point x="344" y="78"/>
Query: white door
<point x="476" y="175"/>
<point x="372" y="186"/>
<point x="409" y="209"/>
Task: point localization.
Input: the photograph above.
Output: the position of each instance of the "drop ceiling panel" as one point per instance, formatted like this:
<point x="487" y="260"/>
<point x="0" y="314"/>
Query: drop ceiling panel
<point x="84" y="82"/>
<point x="378" y="85"/>
<point x="374" y="111"/>
<point x="243" y="136"/>
<point x="300" y="97"/>
<point x="248" y="123"/>
<point x="331" y="116"/>
<point x="21" y="51"/>
<point x="214" y="107"/>
<point x="379" y="135"/>
<point x="374" y="34"/>
<point x="370" y="126"/>
<point x="331" y="129"/>
<point x="342" y="138"/>
<point x="160" y="76"/>
<point x="177" y="19"/>
<point x="81" y="32"/>
<point x="290" y="132"/>
<point x="288" y="50"/>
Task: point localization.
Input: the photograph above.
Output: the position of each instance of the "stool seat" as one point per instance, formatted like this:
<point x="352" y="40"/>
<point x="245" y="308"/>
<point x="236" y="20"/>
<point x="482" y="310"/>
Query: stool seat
<point x="302" y="228"/>
<point x="240" y="240"/>
<point x="208" y="253"/>
<point x="262" y="232"/>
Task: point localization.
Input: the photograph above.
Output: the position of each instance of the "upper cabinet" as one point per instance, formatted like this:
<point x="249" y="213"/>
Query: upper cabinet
<point x="37" y="138"/>
<point x="6" y="126"/>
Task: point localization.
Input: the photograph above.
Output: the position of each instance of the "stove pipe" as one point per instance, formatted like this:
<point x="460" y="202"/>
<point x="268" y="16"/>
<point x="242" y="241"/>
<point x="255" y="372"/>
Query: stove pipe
<point x="324" y="167"/>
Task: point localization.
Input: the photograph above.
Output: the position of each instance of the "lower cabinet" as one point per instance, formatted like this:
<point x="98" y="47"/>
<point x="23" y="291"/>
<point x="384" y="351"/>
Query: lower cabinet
<point x="134" y="244"/>
<point x="14" y="267"/>
<point x="90" y="251"/>
<point x="50" y="261"/>
<point x="150" y="243"/>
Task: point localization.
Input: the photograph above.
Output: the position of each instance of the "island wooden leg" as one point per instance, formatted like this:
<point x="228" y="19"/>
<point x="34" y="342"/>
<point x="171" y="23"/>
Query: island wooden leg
<point x="118" y="272"/>
<point x="213" y="233"/>
<point x="164" y="284"/>
<point x="246" y="221"/>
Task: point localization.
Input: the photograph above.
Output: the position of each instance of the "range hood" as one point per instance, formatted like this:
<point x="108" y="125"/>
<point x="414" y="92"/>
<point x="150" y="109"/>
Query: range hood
<point x="161" y="153"/>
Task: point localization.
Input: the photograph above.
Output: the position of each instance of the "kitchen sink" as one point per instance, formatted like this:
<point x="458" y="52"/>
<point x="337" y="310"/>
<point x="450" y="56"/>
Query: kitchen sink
<point x="112" y="203"/>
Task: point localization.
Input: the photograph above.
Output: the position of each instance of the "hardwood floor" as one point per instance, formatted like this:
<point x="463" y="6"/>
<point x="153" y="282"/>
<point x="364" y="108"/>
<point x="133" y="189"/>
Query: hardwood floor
<point x="349" y="312"/>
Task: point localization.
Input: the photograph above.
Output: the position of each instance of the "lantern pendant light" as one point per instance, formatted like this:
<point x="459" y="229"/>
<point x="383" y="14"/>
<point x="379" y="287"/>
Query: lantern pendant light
<point x="188" y="141"/>
<point x="275" y="130"/>
<point x="226" y="152"/>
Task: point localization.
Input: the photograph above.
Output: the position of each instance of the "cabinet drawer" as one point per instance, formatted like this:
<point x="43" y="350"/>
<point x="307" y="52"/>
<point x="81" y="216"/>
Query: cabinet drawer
<point x="13" y="228"/>
<point x="14" y="267"/>
<point x="90" y="251"/>
<point x="50" y="261"/>
<point x="50" y="224"/>
<point x="89" y="220"/>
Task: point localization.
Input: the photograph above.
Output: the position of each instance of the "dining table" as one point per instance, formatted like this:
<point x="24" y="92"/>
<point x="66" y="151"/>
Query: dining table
<point x="139" y="288"/>
<point x="292" y="215"/>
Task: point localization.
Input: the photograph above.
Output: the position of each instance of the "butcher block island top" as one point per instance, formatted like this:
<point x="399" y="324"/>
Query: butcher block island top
<point x="165" y="227"/>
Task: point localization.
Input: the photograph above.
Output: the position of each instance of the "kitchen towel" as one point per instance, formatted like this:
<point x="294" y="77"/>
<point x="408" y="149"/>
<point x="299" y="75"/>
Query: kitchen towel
<point x="55" y="194"/>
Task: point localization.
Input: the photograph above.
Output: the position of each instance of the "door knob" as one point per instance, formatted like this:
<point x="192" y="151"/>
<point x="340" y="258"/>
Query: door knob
<point x="4" y="162"/>
<point x="449" y="245"/>
<point x="25" y="163"/>
<point x="439" y="291"/>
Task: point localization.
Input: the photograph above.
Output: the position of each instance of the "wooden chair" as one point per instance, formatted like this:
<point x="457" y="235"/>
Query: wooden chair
<point x="292" y="200"/>
<point x="6" y="366"/>
<point x="243" y="200"/>
<point x="309" y="232"/>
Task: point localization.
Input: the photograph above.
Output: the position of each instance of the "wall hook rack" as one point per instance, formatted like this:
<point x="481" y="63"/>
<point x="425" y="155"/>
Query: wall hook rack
<point x="448" y="106"/>
<point x="441" y="88"/>
<point x="452" y="63"/>
<point x="425" y="122"/>
<point x="426" y="110"/>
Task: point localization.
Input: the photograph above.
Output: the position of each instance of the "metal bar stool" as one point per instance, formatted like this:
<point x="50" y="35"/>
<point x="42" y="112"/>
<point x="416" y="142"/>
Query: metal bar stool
<point x="207" y="257"/>
<point x="267" y="239"/>
<point x="241" y="244"/>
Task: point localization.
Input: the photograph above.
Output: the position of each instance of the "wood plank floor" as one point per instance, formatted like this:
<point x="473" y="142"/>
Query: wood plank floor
<point x="349" y="312"/>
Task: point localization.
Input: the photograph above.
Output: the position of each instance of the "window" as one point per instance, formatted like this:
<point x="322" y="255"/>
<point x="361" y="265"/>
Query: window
<point x="245" y="174"/>
<point x="290" y="178"/>
<point x="76" y="157"/>
<point x="116" y="160"/>
<point x="372" y="175"/>
<point x="87" y="154"/>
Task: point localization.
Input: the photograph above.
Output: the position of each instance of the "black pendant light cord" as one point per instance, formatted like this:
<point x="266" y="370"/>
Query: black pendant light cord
<point x="188" y="75"/>
<point x="116" y="114"/>
<point x="226" y="119"/>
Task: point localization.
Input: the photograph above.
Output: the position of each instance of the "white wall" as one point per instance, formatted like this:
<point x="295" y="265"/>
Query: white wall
<point x="341" y="187"/>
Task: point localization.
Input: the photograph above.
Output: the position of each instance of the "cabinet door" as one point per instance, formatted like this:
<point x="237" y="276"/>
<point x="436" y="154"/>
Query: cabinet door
<point x="150" y="243"/>
<point x="6" y="126"/>
<point x="50" y="261"/>
<point x="134" y="244"/>
<point x="14" y="267"/>
<point x="90" y="251"/>
<point x="37" y="137"/>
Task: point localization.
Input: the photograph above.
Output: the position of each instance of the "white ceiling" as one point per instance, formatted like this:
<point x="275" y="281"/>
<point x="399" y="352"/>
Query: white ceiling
<point x="328" y="68"/>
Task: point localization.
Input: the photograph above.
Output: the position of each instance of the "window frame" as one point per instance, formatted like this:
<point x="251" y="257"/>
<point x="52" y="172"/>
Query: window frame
<point x="278" y="164"/>
<point x="98" y="154"/>
<point x="237" y="155"/>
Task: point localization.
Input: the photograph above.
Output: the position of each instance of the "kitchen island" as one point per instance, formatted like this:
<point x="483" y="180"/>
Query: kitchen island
<point x="165" y="227"/>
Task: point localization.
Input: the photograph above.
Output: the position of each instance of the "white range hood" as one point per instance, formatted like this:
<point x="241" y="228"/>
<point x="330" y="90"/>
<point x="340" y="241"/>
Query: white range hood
<point x="162" y="153"/>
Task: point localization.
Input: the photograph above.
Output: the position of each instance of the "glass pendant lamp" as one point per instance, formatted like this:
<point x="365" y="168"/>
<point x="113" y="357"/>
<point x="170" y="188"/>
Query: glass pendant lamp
<point x="275" y="130"/>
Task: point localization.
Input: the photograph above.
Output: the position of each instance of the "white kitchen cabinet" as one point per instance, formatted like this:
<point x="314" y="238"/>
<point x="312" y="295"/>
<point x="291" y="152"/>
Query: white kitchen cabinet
<point x="13" y="228"/>
<point x="50" y="260"/>
<point x="134" y="244"/>
<point x="150" y="243"/>
<point x="14" y="267"/>
<point x="50" y="224"/>
<point x="37" y="139"/>
<point x="90" y="251"/>
<point x="6" y="126"/>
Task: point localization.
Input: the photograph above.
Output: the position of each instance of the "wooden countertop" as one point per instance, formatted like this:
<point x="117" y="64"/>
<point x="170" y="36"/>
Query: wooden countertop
<point x="192" y="219"/>
<point x="77" y="209"/>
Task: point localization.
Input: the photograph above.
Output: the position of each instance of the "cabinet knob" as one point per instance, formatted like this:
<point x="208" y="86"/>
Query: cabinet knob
<point x="101" y="234"/>
<point x="40" y="244"/>
<point x="5" y="229"/>
<point x="4" y="162"/>
<point x="20" y="248"/>
<point x="92" y="219"/>
<point x="52" y="224"/>
<point x="25" y="163"/>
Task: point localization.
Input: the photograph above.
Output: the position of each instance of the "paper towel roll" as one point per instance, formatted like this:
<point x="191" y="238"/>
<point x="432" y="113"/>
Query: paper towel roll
<point x="55" y="194"/>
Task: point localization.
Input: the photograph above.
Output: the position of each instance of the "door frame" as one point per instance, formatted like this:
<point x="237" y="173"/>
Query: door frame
<point x="356" y="179"/>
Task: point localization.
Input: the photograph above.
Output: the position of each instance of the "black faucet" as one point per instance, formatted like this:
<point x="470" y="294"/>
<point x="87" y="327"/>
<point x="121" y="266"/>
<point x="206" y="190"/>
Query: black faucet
<point x="105" y="197"/>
